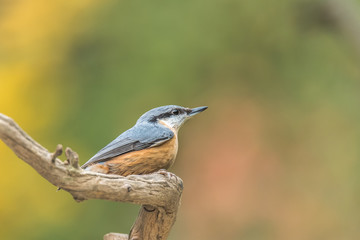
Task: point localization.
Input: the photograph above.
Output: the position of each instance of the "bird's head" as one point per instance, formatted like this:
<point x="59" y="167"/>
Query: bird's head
<point x="171" y="115"/>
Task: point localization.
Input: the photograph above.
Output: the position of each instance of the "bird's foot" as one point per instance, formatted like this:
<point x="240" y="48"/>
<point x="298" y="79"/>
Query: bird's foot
<point x="166" y="173"/>
<point x="171" y="175"/>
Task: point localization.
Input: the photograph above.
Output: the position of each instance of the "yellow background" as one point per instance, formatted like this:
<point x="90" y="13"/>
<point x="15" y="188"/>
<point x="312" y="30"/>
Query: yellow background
<point x="276" y="155"/>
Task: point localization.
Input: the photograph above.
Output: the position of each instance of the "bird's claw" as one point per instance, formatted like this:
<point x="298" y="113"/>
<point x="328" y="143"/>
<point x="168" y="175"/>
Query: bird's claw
<point x="166" y="173"/>
<point x="170" y="175"/>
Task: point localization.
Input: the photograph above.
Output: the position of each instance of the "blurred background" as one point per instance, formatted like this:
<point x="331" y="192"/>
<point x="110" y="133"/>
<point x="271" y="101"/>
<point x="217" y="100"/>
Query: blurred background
<point x="276" y="155"/>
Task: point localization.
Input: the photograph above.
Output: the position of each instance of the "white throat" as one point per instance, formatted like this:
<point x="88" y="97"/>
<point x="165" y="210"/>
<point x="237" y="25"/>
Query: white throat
<point x="173" y="122"/>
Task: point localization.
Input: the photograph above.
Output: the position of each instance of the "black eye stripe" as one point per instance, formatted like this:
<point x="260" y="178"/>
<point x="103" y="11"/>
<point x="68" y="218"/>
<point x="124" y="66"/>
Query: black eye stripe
<point x="168" y="114"/>
<point x="161" y="116"/>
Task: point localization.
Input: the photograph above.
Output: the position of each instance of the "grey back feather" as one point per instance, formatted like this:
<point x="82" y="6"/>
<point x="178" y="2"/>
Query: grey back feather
<point x="142" y="135"/>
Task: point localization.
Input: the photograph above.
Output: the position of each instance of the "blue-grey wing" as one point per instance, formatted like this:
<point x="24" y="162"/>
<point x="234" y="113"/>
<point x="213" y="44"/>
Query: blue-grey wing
<point x="141" y="136"/>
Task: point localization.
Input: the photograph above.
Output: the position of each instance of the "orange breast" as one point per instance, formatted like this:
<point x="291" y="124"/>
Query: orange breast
<point x="141" y="162"/>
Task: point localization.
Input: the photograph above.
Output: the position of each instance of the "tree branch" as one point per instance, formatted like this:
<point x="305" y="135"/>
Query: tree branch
<point x="158" y="193"/>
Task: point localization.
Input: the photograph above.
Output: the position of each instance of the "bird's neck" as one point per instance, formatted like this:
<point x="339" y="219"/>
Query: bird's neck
<point x="174" y="129"/>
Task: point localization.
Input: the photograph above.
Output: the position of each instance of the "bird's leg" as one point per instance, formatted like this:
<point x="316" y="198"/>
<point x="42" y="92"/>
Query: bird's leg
<point x="167" y="174"/>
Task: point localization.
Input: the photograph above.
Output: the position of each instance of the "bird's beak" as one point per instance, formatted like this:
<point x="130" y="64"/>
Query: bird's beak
<point x="197" y="110"/>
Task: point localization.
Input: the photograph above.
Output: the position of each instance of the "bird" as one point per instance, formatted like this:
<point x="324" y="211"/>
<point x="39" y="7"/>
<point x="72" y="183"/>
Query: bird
<point x="149" y="146"/>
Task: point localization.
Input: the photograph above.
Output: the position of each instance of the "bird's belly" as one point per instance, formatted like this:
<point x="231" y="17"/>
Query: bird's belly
<point x="144" y="161"/>
<point x="162" y="155"/>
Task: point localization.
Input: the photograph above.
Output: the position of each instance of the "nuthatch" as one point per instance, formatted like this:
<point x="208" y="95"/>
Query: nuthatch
<point x="150" y="145"/>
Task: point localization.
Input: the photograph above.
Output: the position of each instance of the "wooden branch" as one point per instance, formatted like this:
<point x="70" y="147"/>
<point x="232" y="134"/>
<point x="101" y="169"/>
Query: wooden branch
<point x="158" y="193"/>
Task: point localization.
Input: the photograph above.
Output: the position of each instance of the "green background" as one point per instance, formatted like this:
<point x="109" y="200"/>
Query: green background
<point x="276" y="155"/>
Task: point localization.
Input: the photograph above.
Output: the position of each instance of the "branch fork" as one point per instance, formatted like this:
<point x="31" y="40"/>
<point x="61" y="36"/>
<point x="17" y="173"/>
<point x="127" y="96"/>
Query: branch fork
<point x="158" y="193"/>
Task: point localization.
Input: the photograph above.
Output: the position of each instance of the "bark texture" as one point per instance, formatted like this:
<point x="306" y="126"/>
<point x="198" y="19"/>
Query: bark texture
<point x="158" y="193"/>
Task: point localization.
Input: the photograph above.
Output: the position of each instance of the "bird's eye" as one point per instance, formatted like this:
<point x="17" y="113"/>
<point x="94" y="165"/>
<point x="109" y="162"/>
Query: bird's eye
<point x="175" y="112"/>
